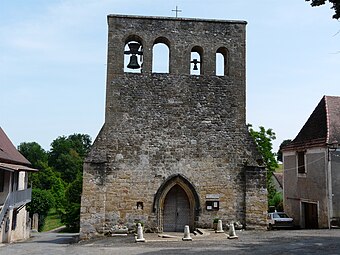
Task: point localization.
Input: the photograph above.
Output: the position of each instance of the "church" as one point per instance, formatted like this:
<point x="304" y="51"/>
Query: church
<point x="174" y="149"/>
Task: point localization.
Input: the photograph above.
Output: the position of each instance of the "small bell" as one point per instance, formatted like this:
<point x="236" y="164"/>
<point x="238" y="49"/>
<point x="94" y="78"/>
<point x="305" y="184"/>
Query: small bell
<point x="195" y="62"/>
<point x="133" y="64"/>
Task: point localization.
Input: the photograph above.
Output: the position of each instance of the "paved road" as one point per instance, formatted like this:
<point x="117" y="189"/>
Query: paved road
<point x="249" y="242"/>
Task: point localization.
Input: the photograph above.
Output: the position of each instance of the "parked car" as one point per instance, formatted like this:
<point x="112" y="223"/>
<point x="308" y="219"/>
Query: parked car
<point x="279" y="220"/>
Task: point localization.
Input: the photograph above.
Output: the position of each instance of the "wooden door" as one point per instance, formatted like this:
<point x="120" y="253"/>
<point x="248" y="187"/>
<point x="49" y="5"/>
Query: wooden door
<point x="176" y="213"/>
<point x="311" y="215"/>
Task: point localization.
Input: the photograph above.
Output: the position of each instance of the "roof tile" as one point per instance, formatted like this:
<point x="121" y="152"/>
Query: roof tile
<point x="8" y="153"/>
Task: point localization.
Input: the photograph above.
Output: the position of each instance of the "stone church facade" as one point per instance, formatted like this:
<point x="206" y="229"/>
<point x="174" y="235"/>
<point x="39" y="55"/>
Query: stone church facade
<point x="174" y="149"/>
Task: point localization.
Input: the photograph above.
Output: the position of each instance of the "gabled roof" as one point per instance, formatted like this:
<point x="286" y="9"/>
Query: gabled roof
<point x="8" y="153"/>
<point x="322" y="127"/>
<point x="279" y="178"/>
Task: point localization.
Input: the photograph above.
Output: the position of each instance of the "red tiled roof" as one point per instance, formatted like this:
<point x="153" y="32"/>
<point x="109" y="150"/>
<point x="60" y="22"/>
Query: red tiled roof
<point x="8" y="153"/>
<point x="321" y="128"/>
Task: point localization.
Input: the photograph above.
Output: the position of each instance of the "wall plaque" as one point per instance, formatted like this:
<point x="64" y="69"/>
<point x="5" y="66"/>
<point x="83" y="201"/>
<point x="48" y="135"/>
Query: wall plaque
<point x="212" y="196"/>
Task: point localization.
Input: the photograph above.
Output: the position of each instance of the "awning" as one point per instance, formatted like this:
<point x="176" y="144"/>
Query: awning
<point x="12" y="167"/>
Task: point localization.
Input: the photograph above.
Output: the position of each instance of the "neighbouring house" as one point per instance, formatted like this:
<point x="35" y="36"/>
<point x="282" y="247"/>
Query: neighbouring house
<point x="14" y="194"/>
<point x="312" y="168"/>
<point x="175" y="149"/>
<point x="277" y="180"/>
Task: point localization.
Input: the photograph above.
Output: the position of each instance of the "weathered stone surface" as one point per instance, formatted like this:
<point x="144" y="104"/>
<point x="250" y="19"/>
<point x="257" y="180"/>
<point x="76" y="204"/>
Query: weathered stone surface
<point x="173" y="129"/>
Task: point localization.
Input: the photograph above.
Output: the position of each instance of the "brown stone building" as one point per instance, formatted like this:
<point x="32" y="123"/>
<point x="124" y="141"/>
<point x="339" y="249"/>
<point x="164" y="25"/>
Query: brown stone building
<point x="174" y="149"/>
<point x="312" y="169"/>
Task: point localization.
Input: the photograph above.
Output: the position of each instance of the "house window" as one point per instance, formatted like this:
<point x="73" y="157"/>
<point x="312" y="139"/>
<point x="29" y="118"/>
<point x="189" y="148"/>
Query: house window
<point x="2" y="180"/>
<point x="301" y="162"/>
<point x="15" y="180"/>
<point x="14" y="219"/>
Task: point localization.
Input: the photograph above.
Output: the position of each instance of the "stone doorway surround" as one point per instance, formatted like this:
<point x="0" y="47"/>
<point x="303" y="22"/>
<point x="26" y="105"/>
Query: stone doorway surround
<point x="190" y="191"/>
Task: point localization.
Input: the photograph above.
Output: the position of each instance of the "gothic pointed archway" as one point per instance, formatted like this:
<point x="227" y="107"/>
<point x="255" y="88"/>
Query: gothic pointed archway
<point x="176" y="212"/>
<point x="176" y="204"/>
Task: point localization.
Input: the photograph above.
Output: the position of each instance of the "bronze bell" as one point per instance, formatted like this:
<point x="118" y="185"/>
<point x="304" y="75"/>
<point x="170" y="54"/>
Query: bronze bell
<point x="195" y="62"/>
<point x="133" y="64"/>
<point x="134" y="46"/>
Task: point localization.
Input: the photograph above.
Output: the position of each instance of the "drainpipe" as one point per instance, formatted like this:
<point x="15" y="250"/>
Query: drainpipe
<point x="329" y="188"/>
<point x="330" y="147"/>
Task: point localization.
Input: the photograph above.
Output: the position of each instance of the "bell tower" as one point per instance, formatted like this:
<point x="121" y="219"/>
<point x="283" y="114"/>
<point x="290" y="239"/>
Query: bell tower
<point x="176" y="135"/>
<point x="193" y="45"/>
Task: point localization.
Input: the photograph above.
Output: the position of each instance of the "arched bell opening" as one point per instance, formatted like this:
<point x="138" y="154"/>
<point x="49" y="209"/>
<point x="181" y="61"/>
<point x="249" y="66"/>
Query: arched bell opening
<point x="133" y="54"/>
<point x="196" y="61"/>
<point x="161" y="55"/>
<point x="176" y="204"/>
<point x="222" y="65"/>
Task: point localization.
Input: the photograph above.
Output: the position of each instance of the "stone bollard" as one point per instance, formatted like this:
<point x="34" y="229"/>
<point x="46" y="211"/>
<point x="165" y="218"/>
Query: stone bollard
<point x="139" y="237"/>
<point x="35" y="222"/>
<point x="186" y="234"/>
<point x="219" y="227"/>
<point x="232" y="234"/>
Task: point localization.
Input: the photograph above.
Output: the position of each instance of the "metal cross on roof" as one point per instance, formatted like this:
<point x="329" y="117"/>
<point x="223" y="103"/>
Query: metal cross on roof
<point x="177" y="11"/>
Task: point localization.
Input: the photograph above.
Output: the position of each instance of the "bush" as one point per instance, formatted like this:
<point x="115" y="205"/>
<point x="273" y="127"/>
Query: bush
<point x="58" y="193"/>
<point x="42" y="201"/>
<point x="71" y="215"/>
<point x="277" y="201"/>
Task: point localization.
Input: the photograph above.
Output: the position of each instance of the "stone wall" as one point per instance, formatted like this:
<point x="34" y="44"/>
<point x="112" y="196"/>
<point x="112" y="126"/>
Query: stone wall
<point x="256" y="198"/>
<point x="163" y="125"/>
<point x="335" y="176"/>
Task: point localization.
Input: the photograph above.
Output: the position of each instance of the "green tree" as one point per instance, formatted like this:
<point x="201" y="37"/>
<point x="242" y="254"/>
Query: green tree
<point x="42" y="201"/>
<point x="263" y="139"/>
<point x="59" y="180"/>
<point x="279" y="152"/>
<point x="71" y="215"/>
<point x="67" y="155"/>
<point x="335" y="6"/>
<point x="276" y="201"/>
<point x="81" y="143"/>
<point x="34" y="153"/>
<point x="46" y="178"/>
<point x="58" y="193"/>
<point x="39" y="160"/>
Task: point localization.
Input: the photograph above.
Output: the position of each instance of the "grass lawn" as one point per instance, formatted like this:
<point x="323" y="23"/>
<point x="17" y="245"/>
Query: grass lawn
<point x="52" y="221"/>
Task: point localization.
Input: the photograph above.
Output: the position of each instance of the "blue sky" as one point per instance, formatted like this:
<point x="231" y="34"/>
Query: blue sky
<point x="53" y="61"/>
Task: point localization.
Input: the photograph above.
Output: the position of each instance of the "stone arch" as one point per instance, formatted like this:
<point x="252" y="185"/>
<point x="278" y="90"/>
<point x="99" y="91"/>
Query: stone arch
<point x="164" y="55"/>
<point x="162" y="39"/>
<point x="225" y="61"/>
<point x="137" y="54"/>
<point x="133" y="37"/>
<point x="190" y="190"/>
<point x="196" y="60"/>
